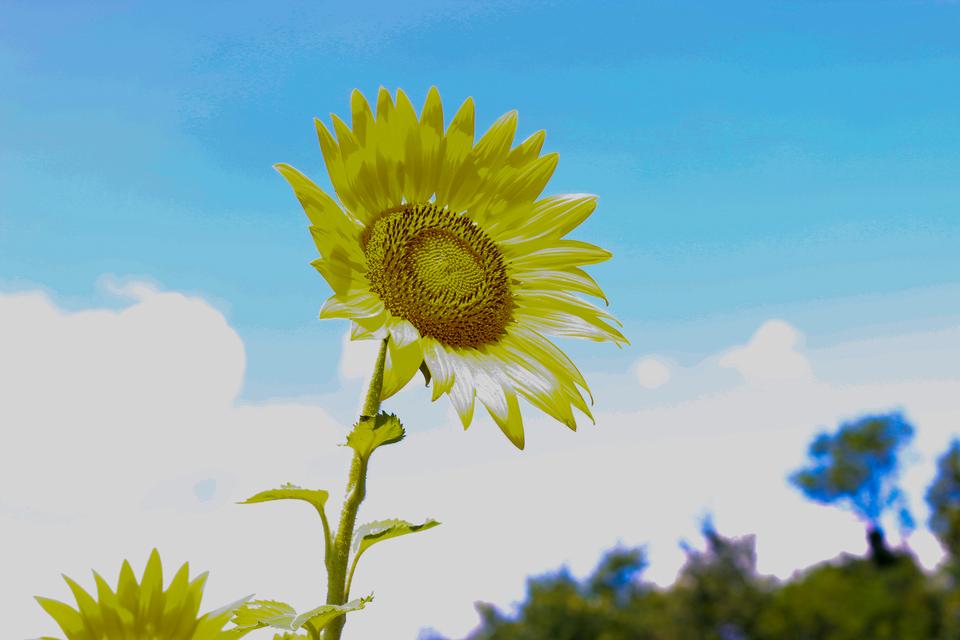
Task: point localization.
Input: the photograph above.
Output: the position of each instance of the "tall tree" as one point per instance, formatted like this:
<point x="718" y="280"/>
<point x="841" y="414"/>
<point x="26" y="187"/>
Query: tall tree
<point x="857" y="467"/>
<point x="943" y="496"/>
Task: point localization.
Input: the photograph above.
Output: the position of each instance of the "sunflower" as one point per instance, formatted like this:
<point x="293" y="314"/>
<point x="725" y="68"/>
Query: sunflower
<point x="446" y="247"/>
<point x="142" y="610"/>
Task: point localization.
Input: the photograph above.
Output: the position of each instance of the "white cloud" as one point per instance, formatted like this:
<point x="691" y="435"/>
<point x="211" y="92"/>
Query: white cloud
<point x="651" y="373"/>
<point x="771" y="355"/>
<point x="122" y="431"/>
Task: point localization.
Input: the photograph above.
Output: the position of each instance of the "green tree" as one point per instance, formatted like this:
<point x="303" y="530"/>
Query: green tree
<point x="559" y="607"/>
<point x="718" y="594"/>
<point x="856" y="467"/>
<point x="943" y="496"/>
<point x="854" y="599"/>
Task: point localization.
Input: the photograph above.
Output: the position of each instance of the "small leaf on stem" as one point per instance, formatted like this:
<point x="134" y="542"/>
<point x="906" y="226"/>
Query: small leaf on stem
<point x="316" y="497"/>
<point x="373" y="532"/>
<point x="368" y="434"/>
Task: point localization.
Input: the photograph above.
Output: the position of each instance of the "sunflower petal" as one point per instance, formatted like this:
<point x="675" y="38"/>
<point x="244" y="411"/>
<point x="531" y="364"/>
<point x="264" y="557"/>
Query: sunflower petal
<point x="408" y="129"/>
<point x="565" y="302"/>
<point x="402" y="332"/>
<point x="389" y="150"/>
<point x="440" y="366"/>
<point x="501" y="402"/>
<point x="362" y="118"/>
<point x="527" y="151"/>
<point x="479" y="170"/>
<point x="361" y="172"/>
<point x="548" y="219"/>
<point x="564" y="324"/>
<point x="342" y="276"/>
<point x="431" y="136"/>
<point x="372" y="327"/>
<point x="545" y="351"/>
<point x="65" y="616"/>
<point x="335" y="228"/>
<point x="561" y="253"/>
<point x="455" y="148"/>
<point x="571" y="279"/>
<point x="354" y="304"/>
<point x="537" y="383"/>
<point x="506" y="198"/>
<point x="333" y="158"/>
<point x="542" y="379"/>
<point x="492" y="148"/>
<point x="401" y="365"/>
<point x="463" y="394"/>
<point x="89" y="610"/>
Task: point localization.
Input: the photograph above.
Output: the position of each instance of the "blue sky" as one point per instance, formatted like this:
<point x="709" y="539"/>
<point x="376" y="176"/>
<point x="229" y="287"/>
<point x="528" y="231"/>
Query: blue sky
<point x="777" y="181"/>
<point x="747" y="155"/>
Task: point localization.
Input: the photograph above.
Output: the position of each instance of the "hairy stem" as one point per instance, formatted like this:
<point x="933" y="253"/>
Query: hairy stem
<point x="356" y="491"/>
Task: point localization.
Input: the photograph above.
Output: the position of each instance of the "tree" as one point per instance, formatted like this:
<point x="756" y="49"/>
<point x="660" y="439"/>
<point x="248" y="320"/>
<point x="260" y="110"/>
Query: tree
<point x="559" y="607"/>
<point x="854" y="599"/>
<point x="943" y="496"/>
<point x="856" y="467"/>
<point x="718" y="593"/>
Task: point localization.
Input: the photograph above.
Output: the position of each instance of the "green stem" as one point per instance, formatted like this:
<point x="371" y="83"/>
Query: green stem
<point x="356" y="491"/>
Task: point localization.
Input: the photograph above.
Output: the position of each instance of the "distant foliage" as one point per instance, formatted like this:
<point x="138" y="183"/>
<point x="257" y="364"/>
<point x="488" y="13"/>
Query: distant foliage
<point x="718" y="591"/>
<point x="854" y="599"/>
<point x="719" y="596"/>
<point x="944" y="500"/>
<point x="559" y="607"/>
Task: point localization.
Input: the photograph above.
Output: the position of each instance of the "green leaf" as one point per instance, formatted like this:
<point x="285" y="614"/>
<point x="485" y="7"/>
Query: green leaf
<point x="367" y="434"/>
<point x="425" y="370"/>
<point x="328" y="613"/>
<point x="316" y="497"/>
<point x="373" y="532"/>
<point x="262" y="613"/>
<point x="279" y="615"/>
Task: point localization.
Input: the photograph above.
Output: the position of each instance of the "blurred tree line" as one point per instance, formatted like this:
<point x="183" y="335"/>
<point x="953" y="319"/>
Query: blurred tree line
<point x="719" y="595"/>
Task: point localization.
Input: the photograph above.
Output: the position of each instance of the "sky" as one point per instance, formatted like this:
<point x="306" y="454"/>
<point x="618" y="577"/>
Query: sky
<point x="777" y="184"/>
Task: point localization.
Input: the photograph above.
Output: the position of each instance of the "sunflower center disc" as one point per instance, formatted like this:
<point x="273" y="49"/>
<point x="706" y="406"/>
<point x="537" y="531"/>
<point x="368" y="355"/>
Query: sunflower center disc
<point x="441" y="272"/>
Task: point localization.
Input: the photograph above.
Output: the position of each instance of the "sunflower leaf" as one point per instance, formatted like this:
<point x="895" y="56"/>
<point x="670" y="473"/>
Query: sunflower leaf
<point x="280" y="615"/>
<point x="367" y="435"/>
<point x="264" y="613"/>
<point x="325" y="614"/>
<point x="316" y="497"/>
<point x="371" y="533"/>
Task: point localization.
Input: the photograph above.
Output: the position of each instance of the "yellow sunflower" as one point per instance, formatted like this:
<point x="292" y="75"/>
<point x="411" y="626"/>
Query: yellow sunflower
<point x="446" y="246"/>
<point x="142" y="610"/>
